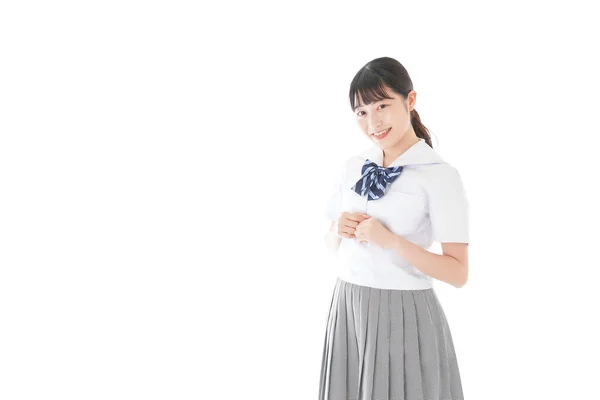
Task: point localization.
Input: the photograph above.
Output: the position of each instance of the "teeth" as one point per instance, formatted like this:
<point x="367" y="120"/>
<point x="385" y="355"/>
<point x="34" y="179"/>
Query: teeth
<point x="381" y="132"/>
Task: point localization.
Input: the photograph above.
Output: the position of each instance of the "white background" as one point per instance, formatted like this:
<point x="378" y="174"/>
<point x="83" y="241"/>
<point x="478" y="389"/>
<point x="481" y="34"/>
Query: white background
<point x="163" y="177"/>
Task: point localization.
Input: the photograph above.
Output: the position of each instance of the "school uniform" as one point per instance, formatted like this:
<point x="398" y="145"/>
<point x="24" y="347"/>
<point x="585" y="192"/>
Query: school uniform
<point x="387" y="336"/>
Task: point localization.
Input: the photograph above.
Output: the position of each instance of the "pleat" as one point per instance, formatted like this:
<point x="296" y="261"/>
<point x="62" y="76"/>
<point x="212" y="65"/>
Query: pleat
<point x="326" y="372"/>
<point x="427" y="347"/>
<point x="361" y="332"/>
<point x="387" y="345"/>
<point x="412" y="360"/>
<point x="381" y="370"/>
<point x="396" y="357"/>
<point x="371" y="344"/>
<point x="451" y="386"/>
<point x="353" y="359"/>
<point x="339" y="362"/>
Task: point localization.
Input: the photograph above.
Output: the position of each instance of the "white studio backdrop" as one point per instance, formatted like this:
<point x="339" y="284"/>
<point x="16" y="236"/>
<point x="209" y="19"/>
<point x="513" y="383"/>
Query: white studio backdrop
<point x="164" y="169"/>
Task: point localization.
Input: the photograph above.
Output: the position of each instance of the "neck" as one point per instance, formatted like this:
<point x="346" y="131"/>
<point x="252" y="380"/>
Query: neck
<point x="408" y="140"/>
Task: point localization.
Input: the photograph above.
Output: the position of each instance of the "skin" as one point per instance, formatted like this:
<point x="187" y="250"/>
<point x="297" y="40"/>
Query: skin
<point x="394" y="113"/>
<point x="452" y="266"/>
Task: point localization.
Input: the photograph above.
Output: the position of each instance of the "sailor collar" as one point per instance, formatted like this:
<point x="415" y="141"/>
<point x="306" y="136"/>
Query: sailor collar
<point x="418" y="153"/>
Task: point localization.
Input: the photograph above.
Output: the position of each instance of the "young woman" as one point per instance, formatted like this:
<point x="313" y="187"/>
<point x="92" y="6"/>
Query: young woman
<point x="387" y="336"/>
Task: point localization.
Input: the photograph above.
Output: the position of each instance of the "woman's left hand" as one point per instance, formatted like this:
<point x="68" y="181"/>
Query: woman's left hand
<point x="372" y="230"/>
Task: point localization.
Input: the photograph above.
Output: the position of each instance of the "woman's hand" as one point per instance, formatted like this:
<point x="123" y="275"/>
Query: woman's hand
<point x="372" y="230"/>
<point x="348" y="222"/>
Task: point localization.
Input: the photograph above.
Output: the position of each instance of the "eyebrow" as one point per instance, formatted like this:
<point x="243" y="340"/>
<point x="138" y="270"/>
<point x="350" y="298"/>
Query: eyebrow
<point x="361" y="105"/>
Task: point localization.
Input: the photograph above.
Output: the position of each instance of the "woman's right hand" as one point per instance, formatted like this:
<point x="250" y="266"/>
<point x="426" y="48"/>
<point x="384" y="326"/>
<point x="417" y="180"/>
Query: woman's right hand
<point x="348" y="222"/>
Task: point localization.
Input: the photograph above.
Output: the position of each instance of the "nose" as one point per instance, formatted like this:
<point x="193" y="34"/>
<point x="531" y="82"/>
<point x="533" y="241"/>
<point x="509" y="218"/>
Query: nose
<point x="375" y="125"/>
<point x="374" y="122"/>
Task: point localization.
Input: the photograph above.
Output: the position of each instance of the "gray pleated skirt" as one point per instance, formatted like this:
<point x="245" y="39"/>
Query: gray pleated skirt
<point x="383" y="344"/>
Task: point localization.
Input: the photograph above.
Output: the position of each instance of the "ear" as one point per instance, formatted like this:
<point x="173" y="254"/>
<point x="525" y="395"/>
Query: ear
<point x="412" y="100"/>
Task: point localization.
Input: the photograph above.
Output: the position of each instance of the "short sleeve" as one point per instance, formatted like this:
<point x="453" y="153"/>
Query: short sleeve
<point x="333" y="206"/>
<point x="448" y="207"/>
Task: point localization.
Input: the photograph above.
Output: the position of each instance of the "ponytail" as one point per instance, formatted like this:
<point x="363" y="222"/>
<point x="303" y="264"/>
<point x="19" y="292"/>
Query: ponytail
<point x="419" y="128"/>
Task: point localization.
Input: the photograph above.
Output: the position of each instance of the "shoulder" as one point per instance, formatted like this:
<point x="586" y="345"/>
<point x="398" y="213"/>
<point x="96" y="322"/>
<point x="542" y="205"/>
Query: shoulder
<point x="351" y="162"/>
<point x="441" y="178"/>
<point x="439" y="171"/>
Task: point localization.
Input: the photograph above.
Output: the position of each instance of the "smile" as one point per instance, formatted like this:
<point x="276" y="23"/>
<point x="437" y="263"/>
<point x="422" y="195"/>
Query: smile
<point x="381" y="134"/>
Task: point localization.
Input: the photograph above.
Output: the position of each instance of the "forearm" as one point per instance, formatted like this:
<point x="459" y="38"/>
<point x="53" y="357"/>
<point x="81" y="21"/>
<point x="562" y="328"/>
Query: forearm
<point x="442" y="267"/>
<point x="332" y="240"/>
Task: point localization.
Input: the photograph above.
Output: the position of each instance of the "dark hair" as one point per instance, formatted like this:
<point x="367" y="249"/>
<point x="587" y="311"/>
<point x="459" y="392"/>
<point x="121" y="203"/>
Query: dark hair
<point x="370" y="80"/>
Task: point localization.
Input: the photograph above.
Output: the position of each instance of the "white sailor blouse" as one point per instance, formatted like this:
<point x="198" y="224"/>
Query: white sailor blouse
<point x="425" y="203"/>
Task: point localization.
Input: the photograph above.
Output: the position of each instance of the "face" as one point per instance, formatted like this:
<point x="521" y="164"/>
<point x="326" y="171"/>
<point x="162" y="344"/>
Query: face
<point x="390" y="116"/>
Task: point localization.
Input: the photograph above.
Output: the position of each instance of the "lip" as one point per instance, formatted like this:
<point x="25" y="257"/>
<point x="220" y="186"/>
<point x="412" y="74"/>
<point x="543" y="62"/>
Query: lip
<point x="382" y="136"/>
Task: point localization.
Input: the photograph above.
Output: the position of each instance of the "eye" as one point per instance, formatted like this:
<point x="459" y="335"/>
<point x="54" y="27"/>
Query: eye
<point x="381" y="105"/>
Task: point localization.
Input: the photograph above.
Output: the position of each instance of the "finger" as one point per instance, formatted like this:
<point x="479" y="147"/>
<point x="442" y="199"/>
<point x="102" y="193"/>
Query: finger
<point x="359" y="217"/>
<point x="347" y="217"/>
<point x="356" y="216"/>
<point x="347" y="235"/>
<point x="348" y="231"/>
<point x="349" y="223"/>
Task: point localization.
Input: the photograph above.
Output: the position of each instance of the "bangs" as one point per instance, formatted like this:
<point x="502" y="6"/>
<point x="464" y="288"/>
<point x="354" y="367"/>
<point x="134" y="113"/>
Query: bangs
<point x="366" y="89"/>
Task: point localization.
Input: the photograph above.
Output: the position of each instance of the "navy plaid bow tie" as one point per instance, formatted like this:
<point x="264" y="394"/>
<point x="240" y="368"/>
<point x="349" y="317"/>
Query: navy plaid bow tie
<point x="375" y="179"/>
